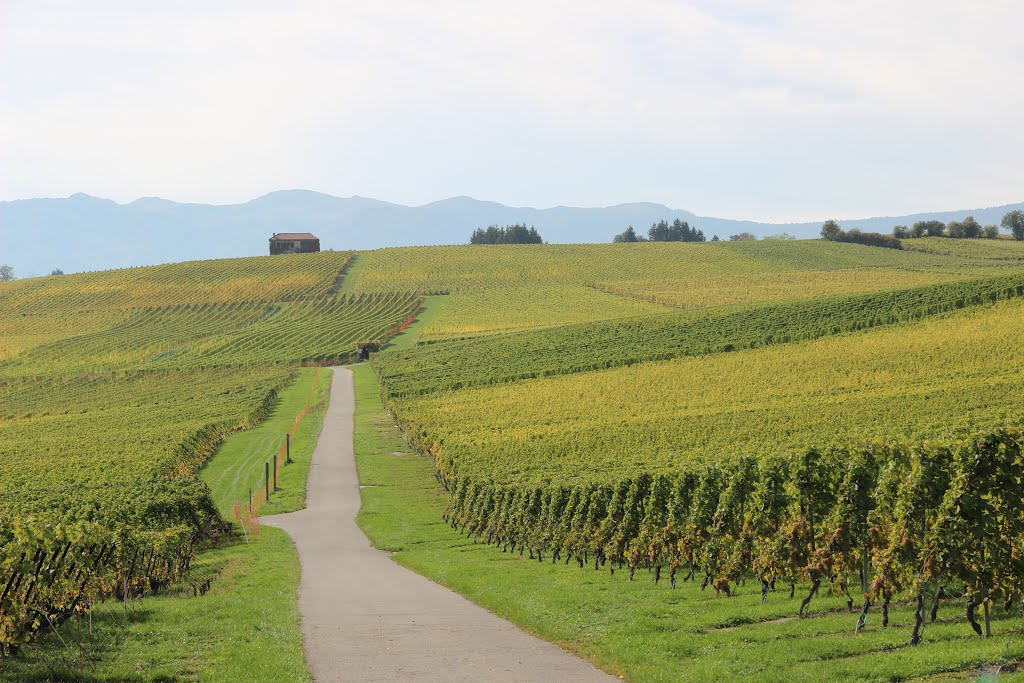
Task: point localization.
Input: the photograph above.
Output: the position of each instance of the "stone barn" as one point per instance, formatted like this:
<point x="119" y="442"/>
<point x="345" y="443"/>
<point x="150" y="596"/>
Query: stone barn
<point x="294" y="243"/>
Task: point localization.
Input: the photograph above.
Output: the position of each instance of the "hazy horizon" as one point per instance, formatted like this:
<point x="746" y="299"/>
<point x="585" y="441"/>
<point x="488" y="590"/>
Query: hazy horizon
<point x="781" y="114"/>
<point x="755" y="219"/>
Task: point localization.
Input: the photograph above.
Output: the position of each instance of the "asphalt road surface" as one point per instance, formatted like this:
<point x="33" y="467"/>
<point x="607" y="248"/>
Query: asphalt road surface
<point x="365" y="618"/>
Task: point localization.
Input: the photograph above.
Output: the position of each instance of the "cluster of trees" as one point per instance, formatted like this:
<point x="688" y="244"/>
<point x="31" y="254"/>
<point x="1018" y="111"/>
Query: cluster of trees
<point x="508" y="234"/>
<point x="663" y="231"/>
<point x="832" y="231"/>
<point x="968" y="228"/>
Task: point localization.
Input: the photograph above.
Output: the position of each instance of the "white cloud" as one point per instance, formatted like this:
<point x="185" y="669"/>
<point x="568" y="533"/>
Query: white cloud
<point x="720" y="107"/>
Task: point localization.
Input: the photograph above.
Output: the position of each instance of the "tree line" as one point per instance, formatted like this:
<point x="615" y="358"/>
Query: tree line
<point x="663" y="231"/>
<point x="831" y="231"/>
<point x="506" y="234"/>
<point x="968" y="228"/>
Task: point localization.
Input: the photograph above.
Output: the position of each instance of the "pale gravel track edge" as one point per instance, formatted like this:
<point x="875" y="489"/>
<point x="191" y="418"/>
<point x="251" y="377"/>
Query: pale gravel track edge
<point x="366" y="618"/>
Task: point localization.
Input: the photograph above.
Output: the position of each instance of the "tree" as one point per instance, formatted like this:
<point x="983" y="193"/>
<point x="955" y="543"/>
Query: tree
<point x="990" y="232"/>
<point x="967" y="229"/>
<point x="831" y="231"/>
<point x="509" y="234"/>
<point x="6" y="274"/>
<point x="56" y="271"/>
<point x="629" y="235"/>
<point x="1014" y="222"/>
<point x="678" y="231"/>
<point x="715" y="239"/>
<point x="742" y="237"/>
<point x="972" y="228"/>
<point x="928" y="229"/>
<point x="780" y="236"/>
<point x="901" y="232"/>
<point x="871" y="239"/>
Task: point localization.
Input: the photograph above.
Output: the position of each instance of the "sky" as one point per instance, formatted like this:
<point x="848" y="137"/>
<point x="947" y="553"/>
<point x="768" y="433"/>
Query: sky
<point x="781" y="111"/>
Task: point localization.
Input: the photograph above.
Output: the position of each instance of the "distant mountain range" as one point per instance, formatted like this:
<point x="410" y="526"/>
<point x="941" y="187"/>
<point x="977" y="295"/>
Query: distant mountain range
<point x="82" y="232"/>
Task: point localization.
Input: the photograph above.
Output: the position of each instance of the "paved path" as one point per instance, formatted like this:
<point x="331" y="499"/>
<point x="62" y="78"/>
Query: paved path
<point x="365" y="618"/>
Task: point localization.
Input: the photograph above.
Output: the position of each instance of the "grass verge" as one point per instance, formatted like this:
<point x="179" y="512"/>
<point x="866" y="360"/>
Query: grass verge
<point x="246" y="628"/>
<point x="238" y="465"/>
<point x="637" y="629"/>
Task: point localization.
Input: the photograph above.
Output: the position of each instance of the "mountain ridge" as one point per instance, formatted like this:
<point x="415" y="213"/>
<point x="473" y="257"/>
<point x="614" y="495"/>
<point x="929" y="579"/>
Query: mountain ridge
<point x="83" y="232"/>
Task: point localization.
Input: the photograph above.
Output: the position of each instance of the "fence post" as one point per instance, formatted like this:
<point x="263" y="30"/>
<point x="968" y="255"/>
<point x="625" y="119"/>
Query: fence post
<point x="287" y="449"/>
<point x="266" y="473"/>
<point x="274" y="460"/>
<point x="250" y="502"/>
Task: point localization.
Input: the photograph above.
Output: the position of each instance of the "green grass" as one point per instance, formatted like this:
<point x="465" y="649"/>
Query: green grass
<point x="407" y="339"/>
<point x="246" y="628"/>
<point x="238" y="465"/>
<point x="636" y="629"/>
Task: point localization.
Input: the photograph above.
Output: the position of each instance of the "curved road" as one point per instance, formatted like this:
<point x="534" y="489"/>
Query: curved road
<point x="365" y="618"/>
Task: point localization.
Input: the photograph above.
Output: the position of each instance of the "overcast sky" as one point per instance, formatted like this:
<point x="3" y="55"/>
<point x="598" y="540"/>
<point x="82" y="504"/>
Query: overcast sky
<point x="722" y="107"/>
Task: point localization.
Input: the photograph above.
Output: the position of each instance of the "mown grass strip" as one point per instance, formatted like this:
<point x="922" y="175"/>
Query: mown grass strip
<point x="237" y="466"/>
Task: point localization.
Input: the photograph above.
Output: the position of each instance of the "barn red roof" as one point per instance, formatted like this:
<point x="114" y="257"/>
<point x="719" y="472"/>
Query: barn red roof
<point x="294" y="236"/>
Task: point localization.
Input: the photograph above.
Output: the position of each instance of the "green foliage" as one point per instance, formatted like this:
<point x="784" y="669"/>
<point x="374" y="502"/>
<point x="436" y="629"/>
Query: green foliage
<point x="678" y="231"/>
<point x="1014" y="222"/>
<point x="928" y="229"/>
<point x="508" y="234"/>
<point x="831" y="231"/>
<point x="628" y="235"/>
<point x="966" y="229"/>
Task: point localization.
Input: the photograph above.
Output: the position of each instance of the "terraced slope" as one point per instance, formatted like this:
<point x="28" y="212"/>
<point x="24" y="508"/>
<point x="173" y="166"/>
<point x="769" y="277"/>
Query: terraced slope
<point x="601" y="345"/>
<point x="881" y="457"/>
<point x="116" y="387"/>
<point x="681" y="415"/>
<point x="507" y="288"/>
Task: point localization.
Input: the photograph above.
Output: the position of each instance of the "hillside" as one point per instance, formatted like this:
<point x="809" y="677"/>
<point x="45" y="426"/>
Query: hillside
<point x="772" y="419"/>
<point x="84" y="233"/>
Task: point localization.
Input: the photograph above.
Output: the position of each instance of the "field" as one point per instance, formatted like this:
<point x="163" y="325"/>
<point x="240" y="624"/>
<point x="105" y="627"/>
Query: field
<point x="735" y="434"/>
<point x="134" y="379"/>
<point x="643" y="631"/>
<point x="513" y="287"/>
<point x="792" y="449"/>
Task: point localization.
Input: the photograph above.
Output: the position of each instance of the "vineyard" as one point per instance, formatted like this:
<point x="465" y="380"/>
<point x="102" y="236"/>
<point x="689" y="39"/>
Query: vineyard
<point x="512" y="288"/>
<point x="831" y="424"/>
<point x="998" y="250"/>
<point x="863" y="441"/>
<point x="626" y="341"/>
<point x="119" y="386"/>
